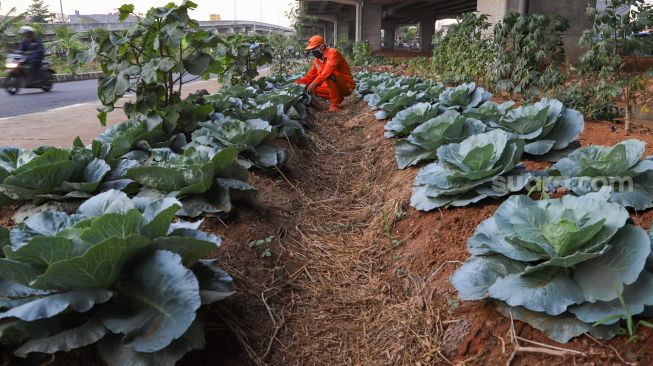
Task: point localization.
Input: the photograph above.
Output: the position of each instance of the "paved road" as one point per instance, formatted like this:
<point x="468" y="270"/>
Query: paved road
<point x="62" y="95"/>
<point x="36" y="100"/>
<point x="59" y="126"/>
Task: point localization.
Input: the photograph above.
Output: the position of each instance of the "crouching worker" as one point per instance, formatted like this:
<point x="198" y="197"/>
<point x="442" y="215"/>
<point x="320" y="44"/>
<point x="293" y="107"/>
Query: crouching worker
<point x="330" y="76"/>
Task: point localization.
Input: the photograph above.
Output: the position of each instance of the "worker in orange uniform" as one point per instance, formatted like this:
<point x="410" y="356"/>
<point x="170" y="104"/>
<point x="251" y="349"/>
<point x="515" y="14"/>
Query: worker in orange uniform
<point x="330" y="76"/>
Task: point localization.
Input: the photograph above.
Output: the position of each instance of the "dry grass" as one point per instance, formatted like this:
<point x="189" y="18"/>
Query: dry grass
<point x="344" y="304"/>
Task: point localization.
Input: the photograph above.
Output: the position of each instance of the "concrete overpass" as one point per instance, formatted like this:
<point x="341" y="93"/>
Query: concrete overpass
<point x="221" y="26"/>
<point x="364" y="19"/>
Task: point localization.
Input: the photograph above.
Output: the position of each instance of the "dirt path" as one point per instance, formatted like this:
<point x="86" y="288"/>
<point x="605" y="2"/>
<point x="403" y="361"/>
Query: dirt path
<point x="331" y="293"/>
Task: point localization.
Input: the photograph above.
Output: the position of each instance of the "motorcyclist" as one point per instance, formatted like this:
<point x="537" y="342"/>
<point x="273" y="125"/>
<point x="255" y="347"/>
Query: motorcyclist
<point x="330" y="76"/>
<point x="33" y="50"/>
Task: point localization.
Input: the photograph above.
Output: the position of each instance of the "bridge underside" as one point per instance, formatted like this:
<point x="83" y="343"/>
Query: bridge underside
<point x="344" y="20"/>
<point x="376" y="21"/>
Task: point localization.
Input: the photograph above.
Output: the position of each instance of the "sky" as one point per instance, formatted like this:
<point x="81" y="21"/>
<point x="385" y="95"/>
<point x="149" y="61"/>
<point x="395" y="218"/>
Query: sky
<point x="273" y="11"/>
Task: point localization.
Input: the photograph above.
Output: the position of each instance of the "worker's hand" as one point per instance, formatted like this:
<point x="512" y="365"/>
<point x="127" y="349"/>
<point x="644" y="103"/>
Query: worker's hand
<point x="312" y="87"/>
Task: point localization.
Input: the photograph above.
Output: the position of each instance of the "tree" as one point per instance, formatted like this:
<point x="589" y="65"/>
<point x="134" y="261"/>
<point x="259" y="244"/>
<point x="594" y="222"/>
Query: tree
<point x="7" y="24"/>
<point x="410" y="33"/>
<point x="38" y="12"/>
<point x="610" y="43"/>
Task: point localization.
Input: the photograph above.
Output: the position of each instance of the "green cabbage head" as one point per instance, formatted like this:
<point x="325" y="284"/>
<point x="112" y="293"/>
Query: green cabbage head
<point x="467" y="172"/>
<point x="560" y="264"/>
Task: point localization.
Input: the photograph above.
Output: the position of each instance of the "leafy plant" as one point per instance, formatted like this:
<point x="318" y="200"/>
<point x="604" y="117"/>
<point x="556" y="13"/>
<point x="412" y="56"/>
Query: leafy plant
<point x="547" y="126"/>
<point x="489" y="112"/>
<point x="153" y="57"/>
<point x="463" y="53"/>
<point x="620" y="167"/>
<point x="425" y="91"/>
<point x="528" y="52"/>
<point x="366" y="82"/>
<point x="116" y="273"/>
<point x="70" y="45"/>
<point x="608" y="43"/>
<point x="559" y="265"/>
<point x="241" y="56"/>
<point x="202" y="178"/>
<point x="48" y="174"/>
<point x="423" y="142"/>
<point x="466" y="172"/>
<point x="361" y="54"/>
<point x="404" y="122"/>
<point x="8" y="24"/>
<point x="463" y="97"/>
<point x="134" y="138"/>
<point x="250" y="137"/>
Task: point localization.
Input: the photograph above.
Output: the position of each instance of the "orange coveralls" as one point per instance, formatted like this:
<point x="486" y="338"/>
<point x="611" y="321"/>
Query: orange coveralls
<point x="332" y="76"/>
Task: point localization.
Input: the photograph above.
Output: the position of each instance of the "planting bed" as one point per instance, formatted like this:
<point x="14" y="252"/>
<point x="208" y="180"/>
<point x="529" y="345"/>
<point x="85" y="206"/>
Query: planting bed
<point x="336" y="289"/>
<point x="350" y="274"/>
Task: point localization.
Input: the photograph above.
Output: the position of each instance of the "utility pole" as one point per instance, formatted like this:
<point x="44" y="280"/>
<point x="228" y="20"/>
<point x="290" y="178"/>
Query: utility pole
<point x="61" y="7"/>
<point x="235" y="16"/>
<point x="261" y="11"/>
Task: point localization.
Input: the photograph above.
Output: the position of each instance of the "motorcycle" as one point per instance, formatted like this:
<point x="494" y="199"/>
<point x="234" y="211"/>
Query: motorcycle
<point x="17" y="75"/>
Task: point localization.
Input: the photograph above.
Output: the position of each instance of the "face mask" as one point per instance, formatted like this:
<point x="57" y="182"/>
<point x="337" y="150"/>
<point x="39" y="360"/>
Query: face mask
<point x="317" y="54"/>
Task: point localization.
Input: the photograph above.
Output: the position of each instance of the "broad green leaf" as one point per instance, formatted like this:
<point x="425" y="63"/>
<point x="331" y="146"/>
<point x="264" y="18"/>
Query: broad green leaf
<point x="165" y="295"/>
<point x="84" y="335"/>
<point x="48" y="306"/>
<point x="99" y="267"/>
<point x="115" y="353"/>
<point x="215" y="284"/>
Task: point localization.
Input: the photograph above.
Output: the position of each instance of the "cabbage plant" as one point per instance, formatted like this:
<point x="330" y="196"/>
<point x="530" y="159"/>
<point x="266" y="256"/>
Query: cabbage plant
<point x="204" y="180"/>
<point x="547" y="126"/>
<point x="117" y="273"/>
<point x="404" y="122"/>
<point x="463" y="97"/>
<point x="489" y="112"/>
<point x="139" y="134"/>
<point x="48" y="174"/>
<point x="483" y="165"/>
<point x="366" y="82"/>
<point x="423" y="92"/>
<point x="251" y="138"/>
<point x="620" y="167"/>
<point x="424" y="141"/>
<point x="560" y="265"/>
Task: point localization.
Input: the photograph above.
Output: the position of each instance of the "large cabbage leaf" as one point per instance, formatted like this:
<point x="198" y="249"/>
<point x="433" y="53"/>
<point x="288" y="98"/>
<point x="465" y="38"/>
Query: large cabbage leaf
<point x="118" y="272"/>
<point x="404" y="122"/>
<point x="620" y="167"/>
<point x="424" y="141"/>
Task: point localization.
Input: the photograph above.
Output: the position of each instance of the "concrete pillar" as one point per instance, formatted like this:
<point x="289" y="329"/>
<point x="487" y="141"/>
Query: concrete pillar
<point x="359" y="22"/>
<point x="426" y="32"/>
<point x="573" y="10"/>
<point x="328" y="29"/>
<point x="343" y="31"/>
<point x="389" y="35"/>
<point x="371" y="32"/>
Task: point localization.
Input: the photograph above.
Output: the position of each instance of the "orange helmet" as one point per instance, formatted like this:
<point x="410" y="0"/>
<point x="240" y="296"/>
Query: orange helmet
<point x="314" y="42"/>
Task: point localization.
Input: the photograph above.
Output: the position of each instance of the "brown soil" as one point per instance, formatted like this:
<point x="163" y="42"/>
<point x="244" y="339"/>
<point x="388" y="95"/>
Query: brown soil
<point x="361" y="277"/>
<point x="357" y="277"/>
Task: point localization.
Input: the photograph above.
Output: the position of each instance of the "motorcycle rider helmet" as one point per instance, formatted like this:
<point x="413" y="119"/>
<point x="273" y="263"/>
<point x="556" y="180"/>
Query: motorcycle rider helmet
<point x="25" y="30"/>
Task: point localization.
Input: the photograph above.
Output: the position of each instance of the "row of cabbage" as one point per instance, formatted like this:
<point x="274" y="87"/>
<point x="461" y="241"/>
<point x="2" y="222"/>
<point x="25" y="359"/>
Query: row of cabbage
<point x="566" y="266"/>
<point x="122" y="272"/>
